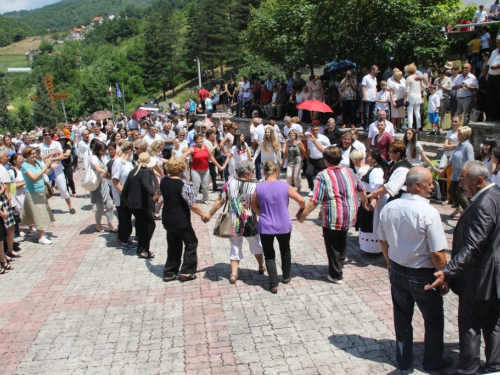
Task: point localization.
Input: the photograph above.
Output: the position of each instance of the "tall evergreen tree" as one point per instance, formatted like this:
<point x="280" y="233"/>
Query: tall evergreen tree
<point x="160" y="38"/>
<point x="25" y="119"/>
<point x="44" y="112"/>
<point x="6" y="120"/>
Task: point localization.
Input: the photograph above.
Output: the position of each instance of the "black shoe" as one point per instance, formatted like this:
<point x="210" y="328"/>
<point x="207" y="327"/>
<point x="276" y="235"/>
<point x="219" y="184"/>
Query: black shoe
<point x="445" y="362"/>
<point x="72" y="211"/>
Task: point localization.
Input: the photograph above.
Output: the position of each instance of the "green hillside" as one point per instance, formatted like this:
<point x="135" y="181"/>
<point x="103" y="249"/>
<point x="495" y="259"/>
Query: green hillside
<point x="72" y="13"/>
<point x="13" y="30"/>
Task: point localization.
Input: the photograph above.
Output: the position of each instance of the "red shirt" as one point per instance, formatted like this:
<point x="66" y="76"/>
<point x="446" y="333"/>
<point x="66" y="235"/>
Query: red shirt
<point x="266" y="96"/>
<point x="200" y="159"/>
<point x="203" y="93"/>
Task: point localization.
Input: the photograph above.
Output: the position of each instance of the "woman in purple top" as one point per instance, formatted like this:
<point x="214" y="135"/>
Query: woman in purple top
<point x="270" y="202"/>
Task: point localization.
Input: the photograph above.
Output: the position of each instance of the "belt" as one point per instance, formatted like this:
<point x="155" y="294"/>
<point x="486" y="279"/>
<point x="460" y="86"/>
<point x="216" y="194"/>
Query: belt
<point x="412" y="271"/>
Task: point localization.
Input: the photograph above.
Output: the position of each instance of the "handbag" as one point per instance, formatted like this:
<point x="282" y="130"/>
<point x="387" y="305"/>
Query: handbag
<point x="400" y="103"/>
<point x="91" y="179"/>
<point x="476" y="115"/>
<point x="224" y="225"/>
<point x="48" y="190"/>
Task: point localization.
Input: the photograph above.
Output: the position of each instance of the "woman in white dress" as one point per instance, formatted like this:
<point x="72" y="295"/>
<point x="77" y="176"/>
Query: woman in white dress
<point x="413" y="95"/>
<point x="239" y="152"/>
<point x="397" y="89"/>
<point x="368" y="221"/>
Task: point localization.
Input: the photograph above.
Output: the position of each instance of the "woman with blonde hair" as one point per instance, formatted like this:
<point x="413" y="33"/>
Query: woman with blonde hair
<point x="413" y="95"/>
<point x="397" y="90"/>
<point x="269" y="148"/>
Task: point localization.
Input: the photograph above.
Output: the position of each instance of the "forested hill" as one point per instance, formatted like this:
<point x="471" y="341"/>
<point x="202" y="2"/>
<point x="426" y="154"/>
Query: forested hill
<point x="12" y="30"/>
<point x="73" y="13"/>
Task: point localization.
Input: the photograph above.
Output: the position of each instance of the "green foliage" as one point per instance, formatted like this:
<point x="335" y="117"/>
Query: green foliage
<point x="112" y="32"/>
<point x="13" y="30"/>
<point x="45" y="47"/>
<point x="25" y="120"/>
<point x="257" y="67"/>
<point x="44" y="113"/>
<point x="299" y="33"/>
<point x="6" y="120"/>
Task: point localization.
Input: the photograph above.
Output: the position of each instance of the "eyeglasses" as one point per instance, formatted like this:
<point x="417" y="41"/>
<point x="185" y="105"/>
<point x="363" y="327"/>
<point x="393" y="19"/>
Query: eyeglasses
<point x="46" y="135"/>
<point x="456" y="122"/>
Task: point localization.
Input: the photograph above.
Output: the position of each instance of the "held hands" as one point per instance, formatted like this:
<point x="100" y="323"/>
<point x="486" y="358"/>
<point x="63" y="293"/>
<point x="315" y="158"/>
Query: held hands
<point x="440" y="284"/>
<point x="156" y="197"/>
<point x="300" y="216"/>
<point x="206" y="218"/>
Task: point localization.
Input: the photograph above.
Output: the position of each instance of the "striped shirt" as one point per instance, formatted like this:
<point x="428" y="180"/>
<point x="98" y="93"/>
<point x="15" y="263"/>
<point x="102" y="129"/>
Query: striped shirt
<point x="336" y="188"/>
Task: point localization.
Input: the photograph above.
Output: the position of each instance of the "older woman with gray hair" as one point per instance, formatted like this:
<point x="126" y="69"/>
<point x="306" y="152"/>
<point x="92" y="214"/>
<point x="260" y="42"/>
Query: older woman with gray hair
<point x="238" y="192"/>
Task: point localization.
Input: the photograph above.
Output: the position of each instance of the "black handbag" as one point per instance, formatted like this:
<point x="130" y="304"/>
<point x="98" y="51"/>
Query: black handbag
<point x="400" y="103"/>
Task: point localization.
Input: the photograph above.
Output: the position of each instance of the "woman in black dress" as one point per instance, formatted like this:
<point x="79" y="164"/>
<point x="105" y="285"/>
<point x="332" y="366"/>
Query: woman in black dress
<point x="231" y="86"/>
<point x="223" y="95"/>
<point x="178" y="202"/>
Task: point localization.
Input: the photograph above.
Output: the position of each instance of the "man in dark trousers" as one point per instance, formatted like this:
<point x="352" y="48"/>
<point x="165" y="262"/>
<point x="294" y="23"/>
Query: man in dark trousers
<point x="474" y="273"/>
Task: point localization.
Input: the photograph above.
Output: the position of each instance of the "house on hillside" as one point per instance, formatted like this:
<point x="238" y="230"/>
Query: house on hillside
<point x="111" y="17"/>
<point x="98" y="19"/>
<point x="76" y="34"/>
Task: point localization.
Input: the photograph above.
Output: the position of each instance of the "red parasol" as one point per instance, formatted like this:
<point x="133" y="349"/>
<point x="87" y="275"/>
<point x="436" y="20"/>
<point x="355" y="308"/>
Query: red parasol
<point x="140" y="114"/>
<point x="314" y="106"/>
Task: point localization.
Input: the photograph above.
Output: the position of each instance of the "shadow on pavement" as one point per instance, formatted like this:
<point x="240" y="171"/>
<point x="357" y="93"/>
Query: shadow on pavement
<point x="384" y="351"/>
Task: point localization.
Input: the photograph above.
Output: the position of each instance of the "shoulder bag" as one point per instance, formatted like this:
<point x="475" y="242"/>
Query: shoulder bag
<point x="91" y="179"/>
<point x="224" y="224"/>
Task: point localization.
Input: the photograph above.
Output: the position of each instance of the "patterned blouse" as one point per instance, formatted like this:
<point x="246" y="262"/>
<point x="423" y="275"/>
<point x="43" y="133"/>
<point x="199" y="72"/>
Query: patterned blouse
<point x="238" y="195"/>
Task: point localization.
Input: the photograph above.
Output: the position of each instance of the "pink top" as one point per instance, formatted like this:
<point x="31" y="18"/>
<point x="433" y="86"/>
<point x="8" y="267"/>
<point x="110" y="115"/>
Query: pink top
<point x="383" y="144"/>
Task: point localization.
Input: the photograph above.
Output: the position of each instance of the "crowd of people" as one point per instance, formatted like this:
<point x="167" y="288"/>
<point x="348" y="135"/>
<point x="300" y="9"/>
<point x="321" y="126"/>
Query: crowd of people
<point x="156" y="168"/>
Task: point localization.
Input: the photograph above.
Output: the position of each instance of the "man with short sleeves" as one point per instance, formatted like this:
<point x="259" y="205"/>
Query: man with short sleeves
<point x="373" y="129"/>
<point x="369" y="91"/>
<point x="99" y="134"/>
<point x="52" y="150"/>
<point x="466" y="85"/>
<point x="336" y="190"/>
<point x="413" y="242"/>
<point x="168" y="136"/>
<point x="83" y="148"/>
<point x="316" y="143"/>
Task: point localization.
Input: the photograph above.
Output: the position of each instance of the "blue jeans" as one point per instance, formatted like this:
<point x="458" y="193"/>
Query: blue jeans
<point x="407" y="287"/>
<point x="370" y="113"/>
<point x="258" y="167"/>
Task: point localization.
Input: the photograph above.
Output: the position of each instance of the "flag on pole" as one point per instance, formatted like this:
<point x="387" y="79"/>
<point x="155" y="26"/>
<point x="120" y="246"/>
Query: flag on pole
<point x="118" y="92"/>
<point x="110" y="92"/>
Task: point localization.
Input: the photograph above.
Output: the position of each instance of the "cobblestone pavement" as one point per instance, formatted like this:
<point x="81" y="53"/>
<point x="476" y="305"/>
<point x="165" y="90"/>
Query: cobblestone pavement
<point x="84" y="306"/>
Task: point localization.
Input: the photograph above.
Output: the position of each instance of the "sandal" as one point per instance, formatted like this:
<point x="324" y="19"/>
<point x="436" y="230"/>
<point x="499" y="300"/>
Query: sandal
<point x="286" y="281"/>
<point x="233" y="279"/>
<point x="262" y="270"/>
<point x="171" y="278"/>
<point x="187" y="277"/>
<point x="6" y="266"/>
<point x="145" y="254"/>
<point x="274" y="290"/>
<point x="8" y="253"/>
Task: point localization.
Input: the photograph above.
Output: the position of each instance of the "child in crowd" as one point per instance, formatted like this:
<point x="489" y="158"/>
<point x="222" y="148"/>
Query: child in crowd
<point x="208" y="105"/>
<point x="383" y="99"/>
<point x="433" y="110"/>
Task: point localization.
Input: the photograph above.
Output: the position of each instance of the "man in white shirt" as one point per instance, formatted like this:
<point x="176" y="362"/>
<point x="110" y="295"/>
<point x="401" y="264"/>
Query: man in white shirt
<point x="480" y="15"/>
<point x="168" y="137"/>
<point x="132" y="124"/>
<point x="413" y="242"/>
<point x="83" y="148"/>
<point x="258" y="135"/>
<point x="494" y="83"/>
<point x="152" y="135"/>
<point x="495" y="11"/>
<point x="466" y="86"/>
<point x="315" y="145"/>
<point x="373" y="130"/>
<point x="26" y="143"/>
<point x="369" y="91"/>
<point x="289" y="125"/>
<point x="99" y="134"/>
<point x="53" y="150"/>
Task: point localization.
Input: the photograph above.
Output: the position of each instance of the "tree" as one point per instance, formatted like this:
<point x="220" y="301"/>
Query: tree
<point x="160" y="38"/>
<point x="300" y="33"/>
<point x="25" y="119"/>
<point x="45" y="46"/>
<point x="6" y="120"/>
<point x="44" y="112"/>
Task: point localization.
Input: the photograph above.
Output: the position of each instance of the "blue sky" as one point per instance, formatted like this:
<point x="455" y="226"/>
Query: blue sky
<point x="9" y="5"/>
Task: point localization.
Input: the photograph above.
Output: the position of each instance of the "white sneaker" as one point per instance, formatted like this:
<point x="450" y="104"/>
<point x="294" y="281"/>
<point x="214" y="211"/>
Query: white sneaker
<point x="44" y="241"/>
<point x="311" y="193"/>
<point x="335" y="281"/>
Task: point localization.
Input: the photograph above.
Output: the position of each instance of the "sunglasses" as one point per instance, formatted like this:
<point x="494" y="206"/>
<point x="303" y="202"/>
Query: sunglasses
<point x="46" y="135"/>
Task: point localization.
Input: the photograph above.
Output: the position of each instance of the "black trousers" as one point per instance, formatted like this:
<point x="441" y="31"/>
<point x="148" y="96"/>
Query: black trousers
<point x="314" y="166"/>
<point x="144" y="229"/>
<point x="336" y="245"/>
<point x="494" y="97"/>
<point x="68" y="173"/>
<point x="176" y="237"/>
<point x="124" y="223"/>
<point x="267" y="241"/>
<point x="349" y="111"/>
<point x="407" y="288"/>
<point x="475" y="317"/>
<point x="166" y="153"/>
<point x="213" y="175"/>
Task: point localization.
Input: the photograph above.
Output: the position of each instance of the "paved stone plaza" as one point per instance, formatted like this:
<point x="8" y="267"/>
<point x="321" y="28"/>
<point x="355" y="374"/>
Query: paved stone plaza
<point x="84" y="306"/>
